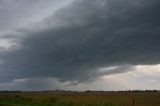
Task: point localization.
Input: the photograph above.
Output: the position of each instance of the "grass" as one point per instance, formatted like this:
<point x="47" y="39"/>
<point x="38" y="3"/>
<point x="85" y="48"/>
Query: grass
<point x="80" y="99"/>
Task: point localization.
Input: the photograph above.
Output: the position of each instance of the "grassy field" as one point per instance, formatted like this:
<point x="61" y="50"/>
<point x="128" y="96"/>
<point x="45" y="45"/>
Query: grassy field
<point x="80" y="99"/>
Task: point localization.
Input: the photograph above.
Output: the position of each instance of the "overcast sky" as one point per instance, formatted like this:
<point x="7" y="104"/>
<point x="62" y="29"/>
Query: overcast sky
<point x="79" y="44"/>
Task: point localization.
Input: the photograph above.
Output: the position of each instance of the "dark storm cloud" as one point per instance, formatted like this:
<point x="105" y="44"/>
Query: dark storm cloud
<point x="86" y="36"/>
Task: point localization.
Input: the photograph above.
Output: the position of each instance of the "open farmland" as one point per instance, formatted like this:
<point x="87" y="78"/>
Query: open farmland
<point x="80" y="99"/>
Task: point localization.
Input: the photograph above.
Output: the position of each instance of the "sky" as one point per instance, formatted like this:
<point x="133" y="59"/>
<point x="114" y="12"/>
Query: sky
<point x="79" y="45"/>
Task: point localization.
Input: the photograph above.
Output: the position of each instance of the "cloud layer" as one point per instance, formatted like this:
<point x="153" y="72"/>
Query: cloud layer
<point x="82" y="38"/>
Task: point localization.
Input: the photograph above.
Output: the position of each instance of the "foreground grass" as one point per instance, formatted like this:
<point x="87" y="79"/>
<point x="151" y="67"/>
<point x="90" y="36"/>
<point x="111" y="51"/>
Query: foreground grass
<point x="52" y="101"/>
<point x="80" y="99"/>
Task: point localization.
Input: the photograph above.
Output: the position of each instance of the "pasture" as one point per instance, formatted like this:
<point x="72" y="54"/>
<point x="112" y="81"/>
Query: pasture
<point x="80" y="98"/>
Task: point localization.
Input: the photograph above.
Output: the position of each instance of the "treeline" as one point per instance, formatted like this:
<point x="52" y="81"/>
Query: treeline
<point x="88" y="91"/>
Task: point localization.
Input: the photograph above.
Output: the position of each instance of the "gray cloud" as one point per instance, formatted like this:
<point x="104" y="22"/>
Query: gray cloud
<point x="19" y="13"/>
<point x="33" y="84"/>
<point x="78" y="40"/>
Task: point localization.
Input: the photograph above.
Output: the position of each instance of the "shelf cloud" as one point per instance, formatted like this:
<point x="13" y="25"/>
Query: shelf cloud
<point x="83" y="40"/>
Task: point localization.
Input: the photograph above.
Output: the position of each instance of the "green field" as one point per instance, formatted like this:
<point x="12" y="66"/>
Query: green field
<point x="80" y="99"/>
